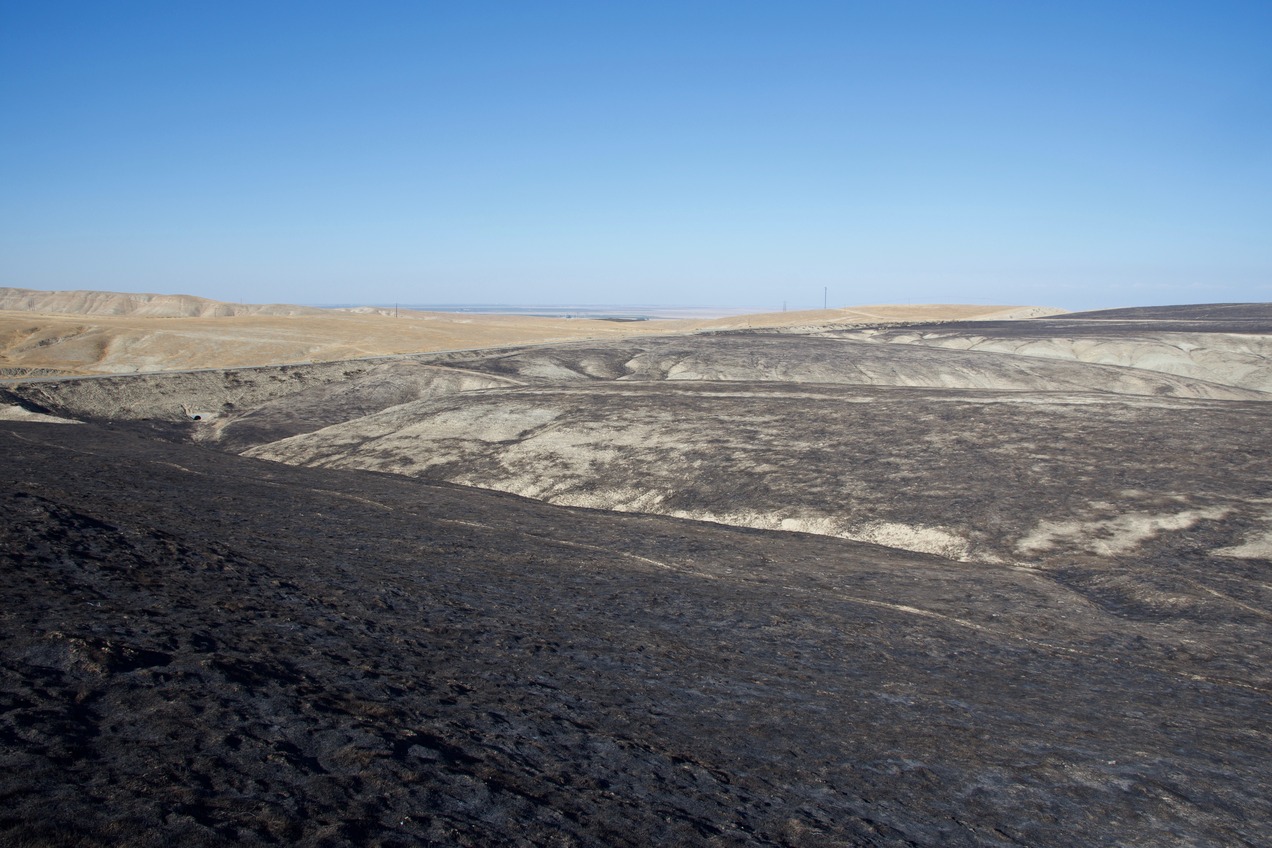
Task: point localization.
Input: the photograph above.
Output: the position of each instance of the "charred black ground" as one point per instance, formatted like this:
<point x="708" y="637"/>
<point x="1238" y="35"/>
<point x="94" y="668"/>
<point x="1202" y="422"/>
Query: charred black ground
<point x="203" y="648"/>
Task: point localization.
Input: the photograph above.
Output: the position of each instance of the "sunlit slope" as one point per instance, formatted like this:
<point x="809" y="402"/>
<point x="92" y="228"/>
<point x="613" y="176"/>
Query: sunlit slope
<point x="89" y="332"/>
<point x="246" y="406"/>
<point x="800" y="358"/>
<point x="1019" y="477"/>
<point x="99" y="303"/>
<point x="1229" y="344"/>
<point x="262" y="404"/>
<point x="59" y="344"/>
<point x="925" y="444"/>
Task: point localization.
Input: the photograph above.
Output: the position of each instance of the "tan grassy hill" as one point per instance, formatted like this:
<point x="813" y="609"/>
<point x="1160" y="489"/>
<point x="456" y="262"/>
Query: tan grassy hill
<point x="84" y="332"/>
<point x="80" y="302"/>
<point x="69" y="344"/>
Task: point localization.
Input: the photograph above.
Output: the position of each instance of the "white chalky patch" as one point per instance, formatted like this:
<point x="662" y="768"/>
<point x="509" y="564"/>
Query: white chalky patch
<point x="1116" y="535"/>
<point x="1257" y="545"/>
<point x="16" y="413"/>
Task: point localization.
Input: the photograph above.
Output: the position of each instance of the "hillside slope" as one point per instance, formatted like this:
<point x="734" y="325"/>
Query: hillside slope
<point x="202" y="648"/>
<point x="745" y="587"/>
<point x="69" y="333"/>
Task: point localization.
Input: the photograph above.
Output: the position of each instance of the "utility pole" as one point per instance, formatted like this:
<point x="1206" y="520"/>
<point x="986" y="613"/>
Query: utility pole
<point x="825" y="296"/>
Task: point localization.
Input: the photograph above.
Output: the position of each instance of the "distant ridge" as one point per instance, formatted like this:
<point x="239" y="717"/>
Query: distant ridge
<point x="80" y="302"/>
<point x="1182" y="312"/>
<point x="51" y="333"/>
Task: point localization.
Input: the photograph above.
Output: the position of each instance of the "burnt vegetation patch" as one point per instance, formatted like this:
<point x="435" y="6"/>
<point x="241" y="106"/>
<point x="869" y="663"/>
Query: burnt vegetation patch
<point x="204" y="648"/>
<point x="474" y="668"/>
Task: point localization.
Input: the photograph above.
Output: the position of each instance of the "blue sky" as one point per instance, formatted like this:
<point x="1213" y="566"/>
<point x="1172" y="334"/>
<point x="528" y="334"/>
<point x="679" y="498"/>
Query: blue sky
<point x="1078" y="154"/>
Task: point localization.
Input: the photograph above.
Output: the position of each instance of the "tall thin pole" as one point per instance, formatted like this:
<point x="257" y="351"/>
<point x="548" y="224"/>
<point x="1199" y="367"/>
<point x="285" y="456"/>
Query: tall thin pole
<point x="825" y="296"/>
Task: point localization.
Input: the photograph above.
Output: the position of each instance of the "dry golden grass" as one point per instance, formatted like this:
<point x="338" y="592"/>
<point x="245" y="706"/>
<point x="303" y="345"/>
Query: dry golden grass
<point x="65" y="342"/>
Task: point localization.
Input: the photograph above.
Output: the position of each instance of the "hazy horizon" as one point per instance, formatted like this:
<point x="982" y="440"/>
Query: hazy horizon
<point x="529" y="308"/>
<point x="526" y="306"/>
<point x="1080" y="156"/>
<point x="629" y="309"/>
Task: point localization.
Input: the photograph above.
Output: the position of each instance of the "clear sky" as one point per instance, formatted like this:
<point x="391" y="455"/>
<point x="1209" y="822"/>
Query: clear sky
<point x="734" y="153"/>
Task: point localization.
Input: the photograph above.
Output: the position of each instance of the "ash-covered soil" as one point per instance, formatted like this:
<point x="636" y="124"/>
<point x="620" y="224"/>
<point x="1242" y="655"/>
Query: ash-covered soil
<point x="1028" y="478"/>
<point x="1229" y="344"/>
<point x="1225" y="315"/>
<point x="1061" y="634"/>
<point x="203" y="648"/>
<point x="828" y="357"/>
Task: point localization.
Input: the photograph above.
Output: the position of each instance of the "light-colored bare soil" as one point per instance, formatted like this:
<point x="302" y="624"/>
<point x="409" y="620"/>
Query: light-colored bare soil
<point x="1233" y="359"/>
<point x="13" y="412"/>
<point x="995" y="477"/>
<point x="1257" y="545"/>
<point x="772" y="357"/>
